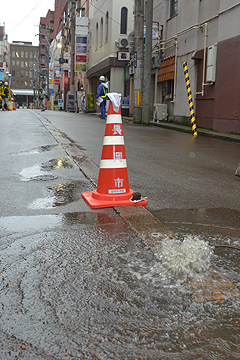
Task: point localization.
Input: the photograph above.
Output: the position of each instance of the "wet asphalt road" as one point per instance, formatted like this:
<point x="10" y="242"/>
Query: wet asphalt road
<point x="78" y="283"/>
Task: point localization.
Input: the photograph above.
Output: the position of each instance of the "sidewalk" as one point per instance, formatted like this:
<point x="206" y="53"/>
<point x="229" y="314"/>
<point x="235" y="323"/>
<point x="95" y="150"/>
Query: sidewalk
<point x="188" y="129"/>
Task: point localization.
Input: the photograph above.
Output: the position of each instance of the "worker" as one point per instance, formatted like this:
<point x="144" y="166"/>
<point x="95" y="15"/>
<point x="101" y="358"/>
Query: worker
<point x="42" y="97"/>
<point x="5" y="94"/>
<point x="101" y="96"/>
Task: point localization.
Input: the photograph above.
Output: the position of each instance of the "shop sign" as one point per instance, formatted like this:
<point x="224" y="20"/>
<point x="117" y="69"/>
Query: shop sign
<point x="67" y="55"/>
<point x="81" y="58"/>
<point x="81" y="40"/>
<point x="81" y="68"/>
<point x="56" y="81"/>
<point x="81" y="49"/>
<point x="66" y="66"/>
<point x="1" y="74"/>
<point x="123" y="55"/>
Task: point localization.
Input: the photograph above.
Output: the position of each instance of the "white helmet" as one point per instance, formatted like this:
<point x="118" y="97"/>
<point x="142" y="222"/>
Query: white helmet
<point x="102" y="78"/>
<point x="5" y="83"/>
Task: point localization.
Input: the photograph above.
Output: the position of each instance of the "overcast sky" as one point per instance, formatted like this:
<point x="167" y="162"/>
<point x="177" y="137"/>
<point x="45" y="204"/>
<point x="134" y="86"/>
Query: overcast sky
<point x="21" y="16"/>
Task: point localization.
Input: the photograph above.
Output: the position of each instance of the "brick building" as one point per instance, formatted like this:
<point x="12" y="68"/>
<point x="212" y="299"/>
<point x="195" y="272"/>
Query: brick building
<point x="24" y="69"/>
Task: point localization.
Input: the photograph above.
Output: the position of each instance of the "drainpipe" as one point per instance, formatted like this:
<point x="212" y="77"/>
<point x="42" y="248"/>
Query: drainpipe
<point x="204" y="64"/>
<point x="175" y="74"/>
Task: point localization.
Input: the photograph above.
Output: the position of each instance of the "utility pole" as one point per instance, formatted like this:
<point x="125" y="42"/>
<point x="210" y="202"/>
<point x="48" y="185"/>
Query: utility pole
<point x="147" y="62"/>
<point x="138" y="60"/>
<point x="73" y="22"/>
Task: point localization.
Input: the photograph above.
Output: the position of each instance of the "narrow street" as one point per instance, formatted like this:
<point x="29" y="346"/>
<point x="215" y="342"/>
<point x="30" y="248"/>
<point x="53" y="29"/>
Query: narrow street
<point x="160" y="282"/>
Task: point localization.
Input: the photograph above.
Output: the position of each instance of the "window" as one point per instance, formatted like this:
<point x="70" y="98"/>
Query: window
<point x="106" y="29"/>
<point x="173" y="10"/>
<point x="13" y="62"/>
<point x="26" y="73"/>
<point x="123" y="24"/>
<point x="22" y="54"/>
<point x="167" y="91"/>
<point x="22" y="63"/>
<point x="13" y="53"/>
<point x="13" y="73"/>
<point x="96" y="44"/>
<point x="17" y="62"/>
<point x="101" y="32"/>
<point x="81" y="12"/>
<point x="26" y="64"/>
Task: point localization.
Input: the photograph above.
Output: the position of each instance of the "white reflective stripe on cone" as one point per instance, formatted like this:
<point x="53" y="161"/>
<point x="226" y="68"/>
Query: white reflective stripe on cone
<point x="112" y="118"/>
<point x="113" y="164"/>
<point x="113" y="140"/>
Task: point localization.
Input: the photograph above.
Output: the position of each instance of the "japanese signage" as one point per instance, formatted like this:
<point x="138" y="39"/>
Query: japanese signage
<point x="90" y="101"/>
<point x="56" y="81"/>
<point x="123" y="55"/>
<point x="81" y="58"/>
<point x="81" y="67"/>
<point x="81" y="44"/>
<point x="1" y="33"/>
<point x="81" y="40"/>
<point x="66" y="79"/>
<point x="67" y="55"/>
<point x="81" y="49"/>
<point x="1" y="74"/>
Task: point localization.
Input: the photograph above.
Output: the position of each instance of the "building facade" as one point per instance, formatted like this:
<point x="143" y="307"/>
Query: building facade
<point x="4" y="54"/>
<point x="110" y="23"/>
<point x="205" y="35"/>
<point x="24" y="72"/>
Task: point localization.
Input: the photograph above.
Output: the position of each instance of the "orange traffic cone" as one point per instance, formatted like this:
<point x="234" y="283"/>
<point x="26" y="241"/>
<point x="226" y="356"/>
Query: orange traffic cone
<point x="113" y="187"/>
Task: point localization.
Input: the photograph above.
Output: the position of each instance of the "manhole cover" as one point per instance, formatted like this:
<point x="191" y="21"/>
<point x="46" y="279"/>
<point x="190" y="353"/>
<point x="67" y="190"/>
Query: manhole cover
<point x="44" y="177"/>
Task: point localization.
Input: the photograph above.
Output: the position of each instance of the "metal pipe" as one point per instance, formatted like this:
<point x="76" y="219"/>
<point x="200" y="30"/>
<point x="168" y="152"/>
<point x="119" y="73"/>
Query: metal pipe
<point x="175" y="74"/>
<point x="204" y="59"/>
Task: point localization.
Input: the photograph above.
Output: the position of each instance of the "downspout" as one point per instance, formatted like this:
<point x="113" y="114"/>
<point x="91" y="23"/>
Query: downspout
<point x="204" y="63"/>
<point x="175" y="74"/>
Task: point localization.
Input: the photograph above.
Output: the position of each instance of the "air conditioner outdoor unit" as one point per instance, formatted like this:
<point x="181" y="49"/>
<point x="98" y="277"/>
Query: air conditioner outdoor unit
<point x="160" y="112"/>
<point x="123" y="42"/>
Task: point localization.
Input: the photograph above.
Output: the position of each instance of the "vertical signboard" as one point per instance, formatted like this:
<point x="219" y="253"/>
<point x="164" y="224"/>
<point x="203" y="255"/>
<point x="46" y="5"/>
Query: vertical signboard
<point x="81" y="44"/>
<point x="1" y="32"/>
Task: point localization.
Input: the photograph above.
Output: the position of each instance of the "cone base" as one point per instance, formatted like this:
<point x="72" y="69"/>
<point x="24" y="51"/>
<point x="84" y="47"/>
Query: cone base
<point x="97" y="201"/>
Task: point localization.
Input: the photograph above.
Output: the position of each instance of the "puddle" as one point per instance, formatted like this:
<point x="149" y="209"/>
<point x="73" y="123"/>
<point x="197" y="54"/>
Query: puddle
<point x="28" y="223"/>
<point x="32" y="173"/>
<point x="59" y="195"/>
<point x="39" y="171"/>
<point x="60" y="163"/>
<point x="99" y="284"/>
<point x="38" y="150"/>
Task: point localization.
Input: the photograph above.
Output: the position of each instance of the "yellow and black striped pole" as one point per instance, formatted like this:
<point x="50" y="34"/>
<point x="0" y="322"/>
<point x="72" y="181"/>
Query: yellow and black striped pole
<point x="190" y="100"/>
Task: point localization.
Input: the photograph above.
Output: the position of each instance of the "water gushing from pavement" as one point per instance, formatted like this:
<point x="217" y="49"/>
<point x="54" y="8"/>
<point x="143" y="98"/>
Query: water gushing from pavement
<point x="185" y="258"/>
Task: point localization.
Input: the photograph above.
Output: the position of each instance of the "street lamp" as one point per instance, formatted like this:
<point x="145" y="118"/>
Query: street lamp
<point x="59" y="44"/>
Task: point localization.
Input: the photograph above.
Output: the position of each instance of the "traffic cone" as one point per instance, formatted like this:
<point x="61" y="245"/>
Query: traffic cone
<point x="113" y="186"/>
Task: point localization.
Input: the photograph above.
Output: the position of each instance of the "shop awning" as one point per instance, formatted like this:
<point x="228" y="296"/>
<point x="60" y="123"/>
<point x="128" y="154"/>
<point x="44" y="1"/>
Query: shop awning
<point x="23" y="92"/>
<point x="167" y="69"/>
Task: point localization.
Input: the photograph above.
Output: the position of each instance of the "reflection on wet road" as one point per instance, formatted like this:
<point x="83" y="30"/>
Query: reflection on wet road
<point x="96" y="292"/>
